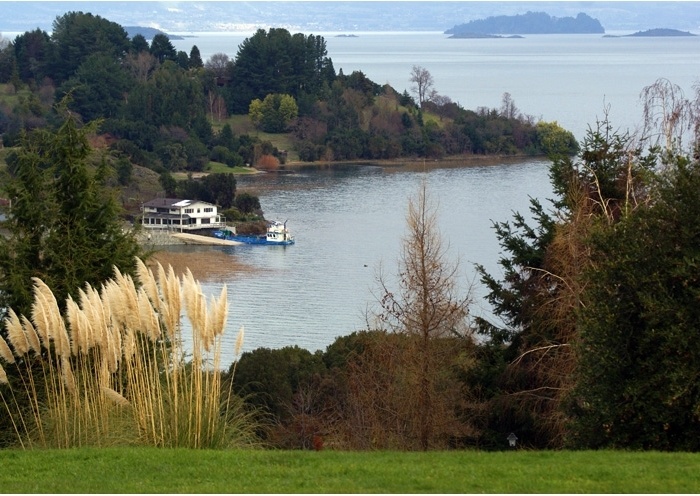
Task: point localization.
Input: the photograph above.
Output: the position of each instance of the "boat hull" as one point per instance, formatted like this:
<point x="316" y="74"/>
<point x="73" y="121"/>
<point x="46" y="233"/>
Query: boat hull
<point x="253" y="240"/>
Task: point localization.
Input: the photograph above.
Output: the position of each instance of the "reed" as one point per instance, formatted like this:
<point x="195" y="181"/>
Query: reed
<point x="113" y="370"/>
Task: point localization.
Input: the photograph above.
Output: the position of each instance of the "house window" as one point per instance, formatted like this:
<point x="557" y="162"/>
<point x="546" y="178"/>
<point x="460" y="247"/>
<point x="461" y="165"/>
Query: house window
<point x="208" y="209"/>
<point x="189" y="210"/>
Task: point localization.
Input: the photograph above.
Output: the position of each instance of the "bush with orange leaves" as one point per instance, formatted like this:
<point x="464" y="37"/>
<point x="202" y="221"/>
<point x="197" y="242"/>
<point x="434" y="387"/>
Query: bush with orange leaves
<point x="268" y="162"/>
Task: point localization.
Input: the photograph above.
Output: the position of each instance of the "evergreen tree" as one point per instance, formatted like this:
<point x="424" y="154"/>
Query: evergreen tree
<point x="139" y="44"/>
<point x="195" y="58"/>
<point x="77" y="36"/>
<point x="162" y="48"/>
<point x="277" y="62"/>
<point x="63" y="225"/>
<point x="98" y="87"/>
<point x="540" y="296"/>
<point x="637" y="385"/>
<point x="33" y="53"/>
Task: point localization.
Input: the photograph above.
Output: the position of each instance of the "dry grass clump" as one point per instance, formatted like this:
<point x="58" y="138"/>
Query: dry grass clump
<point x="113" y="369"/>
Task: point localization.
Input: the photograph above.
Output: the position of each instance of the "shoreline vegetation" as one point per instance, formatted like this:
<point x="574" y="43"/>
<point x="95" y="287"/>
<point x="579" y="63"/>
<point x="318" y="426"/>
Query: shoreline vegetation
<point x="411" y="163"/>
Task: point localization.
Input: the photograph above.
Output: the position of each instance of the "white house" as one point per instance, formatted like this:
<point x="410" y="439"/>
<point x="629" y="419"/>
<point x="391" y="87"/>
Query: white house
<point x="181" y="215"/>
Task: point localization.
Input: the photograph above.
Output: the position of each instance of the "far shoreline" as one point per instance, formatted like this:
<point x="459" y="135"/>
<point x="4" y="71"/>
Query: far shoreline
<point x="412" y="163"/>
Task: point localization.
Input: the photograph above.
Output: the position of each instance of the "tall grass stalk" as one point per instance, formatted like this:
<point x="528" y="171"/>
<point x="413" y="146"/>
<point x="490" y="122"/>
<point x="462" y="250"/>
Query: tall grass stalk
<point x="113" y="370"/>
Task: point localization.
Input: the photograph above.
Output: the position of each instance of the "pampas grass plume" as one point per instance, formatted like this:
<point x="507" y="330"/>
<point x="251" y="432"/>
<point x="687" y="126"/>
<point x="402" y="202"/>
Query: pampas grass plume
<point x="32" y="337"/>
<point x="72" y="310"/>
<point x="3" y="376"/>
<point x="114" y="396"/>
<point x="220" y="312"/>
<point x="239" y="342"/>
<point x="170" y="285"/>
<point x="51" y="317"/>
<point x="41" y="320"/>
<point x="148" y="282"/>
<point x="171" y="402"/>
<point x="15" y="333"/>
<point x="5" y="351"/>
<point x="149" y="319"/>
<point x="68" y="377"/>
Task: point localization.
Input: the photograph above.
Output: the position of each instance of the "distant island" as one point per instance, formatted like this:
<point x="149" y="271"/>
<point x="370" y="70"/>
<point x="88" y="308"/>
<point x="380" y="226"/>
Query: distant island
<point x="148" y="33"/>
<point x="655" y="33"/>
<point x="529" y="23"/>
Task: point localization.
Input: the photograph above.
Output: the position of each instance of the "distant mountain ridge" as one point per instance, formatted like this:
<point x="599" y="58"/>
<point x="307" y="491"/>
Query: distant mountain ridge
<point x="529" y="23"/>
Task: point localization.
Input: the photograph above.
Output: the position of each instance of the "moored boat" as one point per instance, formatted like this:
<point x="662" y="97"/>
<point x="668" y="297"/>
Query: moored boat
<point x="277" y="234"/>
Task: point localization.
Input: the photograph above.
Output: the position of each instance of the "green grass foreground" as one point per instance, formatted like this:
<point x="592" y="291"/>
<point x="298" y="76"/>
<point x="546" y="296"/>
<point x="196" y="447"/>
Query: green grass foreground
<point x="152" y="470"/>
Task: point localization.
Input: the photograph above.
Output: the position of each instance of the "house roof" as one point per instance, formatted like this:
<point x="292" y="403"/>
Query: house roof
<point x="173" y="203"/>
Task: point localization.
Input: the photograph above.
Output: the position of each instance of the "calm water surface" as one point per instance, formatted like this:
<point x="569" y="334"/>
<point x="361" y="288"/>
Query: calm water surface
<point x="347" y="225"/>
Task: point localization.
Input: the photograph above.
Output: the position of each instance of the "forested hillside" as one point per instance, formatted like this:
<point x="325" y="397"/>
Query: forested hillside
<point x="171" y="111"/>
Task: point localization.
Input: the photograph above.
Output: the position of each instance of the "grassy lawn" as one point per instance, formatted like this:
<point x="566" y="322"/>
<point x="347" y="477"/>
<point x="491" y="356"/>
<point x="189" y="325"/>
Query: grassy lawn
<point x="223" y="168"/>
<point x="240" y="124"/>
<point x="149" y="470"/>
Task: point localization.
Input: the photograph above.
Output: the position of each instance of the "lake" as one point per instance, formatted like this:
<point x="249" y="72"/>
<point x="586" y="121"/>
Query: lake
<point x="348" y="223"/>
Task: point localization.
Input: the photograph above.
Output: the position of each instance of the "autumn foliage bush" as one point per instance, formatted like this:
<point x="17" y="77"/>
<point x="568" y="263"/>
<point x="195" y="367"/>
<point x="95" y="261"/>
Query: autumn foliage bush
<point x="268" y="163"/>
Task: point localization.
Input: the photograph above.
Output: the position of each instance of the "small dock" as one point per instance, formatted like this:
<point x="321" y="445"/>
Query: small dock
<point x="160" y="237"/>
<point x="197" y="239"/>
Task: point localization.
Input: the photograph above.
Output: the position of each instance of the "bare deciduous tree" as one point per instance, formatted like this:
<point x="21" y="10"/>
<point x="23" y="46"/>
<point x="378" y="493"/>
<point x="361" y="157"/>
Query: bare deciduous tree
<point x="427" y="309"/>
<point x="423" y="81"/>
<point x="217" y="64"/>
<point x="140" y="65"/>
<point x="217" y="106"/>
<point x="508" y="108"/>
<point x="668" y="114"/>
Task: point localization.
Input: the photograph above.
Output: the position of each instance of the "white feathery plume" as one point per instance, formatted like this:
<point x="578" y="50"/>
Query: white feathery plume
<point x="32" y="337"/>
<point x="68" y="377"/>
<point x="3" y="376"/>
<point x="114" y="396"/>
<point x="173" y="299"/>
<point x="15" y="333"/>
<point x="5" y="351"/>
<point x="72" y="310"/>
<point x="51" y="317"/>
<point x="128" y="288"/>
<point x="148" y="282"/>
<point x="41" y="320"/>
<point x="239" y="342"/>
<point x="149" y="319"/>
